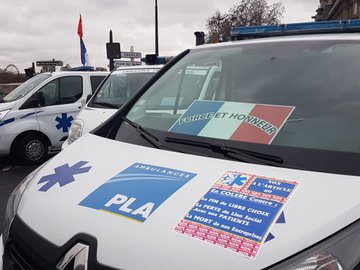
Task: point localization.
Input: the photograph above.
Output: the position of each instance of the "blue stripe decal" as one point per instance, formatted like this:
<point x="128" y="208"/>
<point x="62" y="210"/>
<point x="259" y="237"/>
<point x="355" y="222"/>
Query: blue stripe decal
<point x="27" y="115"/>
<point x="30" y="114"/>
<point x="8" y="121"/>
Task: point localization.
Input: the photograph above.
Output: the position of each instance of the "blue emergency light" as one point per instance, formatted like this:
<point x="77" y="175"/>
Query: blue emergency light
<point x="246" y="32"/>
<point x="81" y="68"/>
<point x="153" y="59"/>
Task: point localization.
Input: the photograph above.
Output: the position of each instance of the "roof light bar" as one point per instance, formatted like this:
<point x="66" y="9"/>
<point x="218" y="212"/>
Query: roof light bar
<point x="245" y="32"/>
<point x="81" y="68"/>
<point x="153" y="59"/>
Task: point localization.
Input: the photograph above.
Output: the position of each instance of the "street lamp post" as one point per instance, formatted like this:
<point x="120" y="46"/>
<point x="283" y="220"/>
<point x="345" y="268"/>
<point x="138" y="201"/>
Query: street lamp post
<point x="111" y="61"/>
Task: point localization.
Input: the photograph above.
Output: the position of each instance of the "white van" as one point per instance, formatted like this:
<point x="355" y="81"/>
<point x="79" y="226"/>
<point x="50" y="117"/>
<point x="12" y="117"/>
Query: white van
<point x="36" y="116"/>
<point x="261" y="174"/>
<point x="115" y="90"/>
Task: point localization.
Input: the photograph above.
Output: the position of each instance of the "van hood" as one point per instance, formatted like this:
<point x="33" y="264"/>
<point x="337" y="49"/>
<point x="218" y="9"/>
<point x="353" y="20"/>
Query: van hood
<point x="7" y="105"/>
<point x="93" y="117"/>
<point x="180" y="211"/>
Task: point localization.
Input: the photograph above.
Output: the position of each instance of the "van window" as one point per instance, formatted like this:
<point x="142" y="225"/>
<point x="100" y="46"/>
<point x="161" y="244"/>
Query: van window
<point x="62" y="91"/>
<point x="95" y="82"/>
<point x="120" y="86"/>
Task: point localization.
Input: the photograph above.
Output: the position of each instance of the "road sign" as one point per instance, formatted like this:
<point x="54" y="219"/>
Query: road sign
<point x="118" y="63"/>
<point x="130" y="54"/>
<point x="49" y="63"/>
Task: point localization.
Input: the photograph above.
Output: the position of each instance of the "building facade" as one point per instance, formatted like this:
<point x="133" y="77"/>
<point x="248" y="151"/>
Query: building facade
<point x="337" y="10"/>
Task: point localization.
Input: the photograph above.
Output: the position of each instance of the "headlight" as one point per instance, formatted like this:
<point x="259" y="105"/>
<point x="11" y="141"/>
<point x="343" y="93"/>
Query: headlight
<point x="3" y="113"/>
<point x="75" y="130"/>
<point x="14" y="201"/>
<point x="340" y="251"/>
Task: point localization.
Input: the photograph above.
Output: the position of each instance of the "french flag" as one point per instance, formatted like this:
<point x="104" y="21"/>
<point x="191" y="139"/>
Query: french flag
<point x="85" y="61"/>
<point x="246" y="122"/>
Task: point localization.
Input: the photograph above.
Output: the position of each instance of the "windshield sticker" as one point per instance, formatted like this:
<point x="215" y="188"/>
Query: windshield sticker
<point x="144" y="70"/>
<point x="170" y="101"/>
<point x="201" y="72"/>
<point x="136" y="192"/>
<point x="247" y="122"/>
<point x="238" y="212"/>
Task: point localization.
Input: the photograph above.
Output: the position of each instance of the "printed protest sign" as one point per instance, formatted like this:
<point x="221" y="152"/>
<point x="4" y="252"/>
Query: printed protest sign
<point x="238" y="212"/>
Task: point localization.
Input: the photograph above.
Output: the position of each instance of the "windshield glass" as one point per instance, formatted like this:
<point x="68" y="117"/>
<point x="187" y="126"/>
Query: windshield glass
<point x="120" y="86"/>
<point x="25" y="88"/>
<point x="291" y="94"/>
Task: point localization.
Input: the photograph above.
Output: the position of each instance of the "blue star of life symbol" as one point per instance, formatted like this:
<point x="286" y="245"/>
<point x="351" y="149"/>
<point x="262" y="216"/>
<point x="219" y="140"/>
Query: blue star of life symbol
<point x="64" y="122"/>
<point x="63" y="175"/>
<point x="236" y="180"/>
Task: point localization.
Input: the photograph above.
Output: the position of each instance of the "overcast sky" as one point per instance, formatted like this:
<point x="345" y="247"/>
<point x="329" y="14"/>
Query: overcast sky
<point x="42" y="30"/>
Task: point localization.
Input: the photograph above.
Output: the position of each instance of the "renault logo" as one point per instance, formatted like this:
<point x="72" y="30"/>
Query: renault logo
<point x="79" y="253"/>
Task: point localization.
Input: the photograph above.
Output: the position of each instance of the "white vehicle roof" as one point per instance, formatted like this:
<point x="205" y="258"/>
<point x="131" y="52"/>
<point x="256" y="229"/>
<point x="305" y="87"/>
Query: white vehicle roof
<point x="341" y="36"/>
<point x="56" y="73"/>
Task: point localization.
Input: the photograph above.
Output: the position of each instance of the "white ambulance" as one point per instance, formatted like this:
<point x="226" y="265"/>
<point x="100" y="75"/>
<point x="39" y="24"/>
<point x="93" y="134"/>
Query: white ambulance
<point x="36" y="116"/>
<point x="115" y="90"/>
<point x="262" y="174"/>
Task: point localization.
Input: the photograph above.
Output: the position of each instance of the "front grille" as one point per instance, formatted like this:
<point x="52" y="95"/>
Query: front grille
<point x="16" y="259"/>
<point x="27" y="250"/>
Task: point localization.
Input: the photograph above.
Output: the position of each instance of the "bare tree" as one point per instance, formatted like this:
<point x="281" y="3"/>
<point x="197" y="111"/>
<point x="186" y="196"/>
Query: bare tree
<point x="245" y="13"/>
<point x="217" y="25"/>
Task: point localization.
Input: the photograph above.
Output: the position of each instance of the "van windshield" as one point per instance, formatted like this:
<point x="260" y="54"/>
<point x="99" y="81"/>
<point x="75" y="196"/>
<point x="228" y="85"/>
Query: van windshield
<point x="287" y="94"/>
<point x="120" y="86"/>
<point x="25" y="88"/>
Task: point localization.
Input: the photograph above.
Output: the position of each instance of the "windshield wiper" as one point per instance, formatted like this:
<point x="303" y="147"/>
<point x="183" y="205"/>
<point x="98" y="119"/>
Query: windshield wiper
<point x="107" y="105"/>
<point x="232" y="152"/>
<point x="151" y="138"/>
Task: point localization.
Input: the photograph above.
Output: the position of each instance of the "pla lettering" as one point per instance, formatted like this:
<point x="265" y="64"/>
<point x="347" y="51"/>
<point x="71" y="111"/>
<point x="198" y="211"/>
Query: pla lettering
<point x="125" y="206"/>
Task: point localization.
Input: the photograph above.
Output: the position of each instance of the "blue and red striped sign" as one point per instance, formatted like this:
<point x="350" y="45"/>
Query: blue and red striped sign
<point x="256" y="123"/>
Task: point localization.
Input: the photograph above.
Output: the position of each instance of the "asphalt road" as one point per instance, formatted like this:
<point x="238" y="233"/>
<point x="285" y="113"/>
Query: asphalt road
<point x="10" y="175"/>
